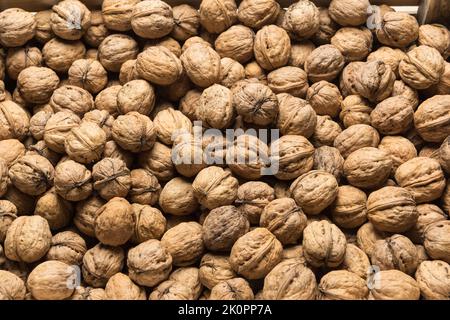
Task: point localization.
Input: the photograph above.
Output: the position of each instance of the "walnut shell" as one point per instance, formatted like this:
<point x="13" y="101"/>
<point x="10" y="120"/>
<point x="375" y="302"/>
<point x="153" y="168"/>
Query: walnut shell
<point x="399" y="149"/>
<point x="70" y="19"/>
<point x="59" y="54"/>
<point x="136" y="95"/>
<point x="44" y="32"/>
<point x="115" y="50"/>
<point x="85" y="214"/>
<point x="23" y="202"/>
<point x="216" y="107"/>
<point x="236" y="42"/>
<point x="67" y="247"/>
<point x="301" y="20"/>
<point x="145" y="188"/>
<point x="38" y="122"/>
<point x="169" y="123"/>
<point x="88" y="74"/>
<point x="389" y="56"/>
<point x="329" y="159"/>
<point x="215" y="269"/>
<point x="172" y="290"/>
<point x="295" y="116"/>
<point x="187" y="155"/>
<point x="21" y="58"/>
<point x="433" y="279"/>
<point x="444" y="155"/>
<point x="88" y="293"/>
<point x="152" y="19"/>
<point x="366" y="237"/>
<point x="150" y="223"/>
<point x="12" y="287"/>
<point x="437" y="240"/>
<point x="392" y="116"/>
<point x="427" y="214"/>
<point x="120" y="287"/>
<point x="117" y="14"/>
<point x="397" y="29"/>
<point x="326" y="131"/>
<point x="393" y="285"/>
<point x="355" y="44"/>
<point x="327" y="28"/>
<point x="348" y="80"/>
<point x="375" y="81"/>
<point x="72" y="181"/>
<point x="177" y="197"/>
<point x="190" y="277"/>
<point x="290" y="80"/>
<point x="356" y="261"/>
<point x="187" y="21"/>
<point x="107" y="100"/>
<point x="272" y="47"/>
<point x="17" y="26"/>
<point x="58" y="127"/>
<point x="431" y="119"/>
<point x="231" y="72"/>
<point x="71" y="98"/>
<point x="349" y="207"/>
<point x="342" y="285"/>
<point x="202" y="65"/>
<point x="324" y="63"/>
<point x="8" y="213"/>
<point x="134" y="132"/>
<point x="254" y="71"/>
<point x="216" y="17"/>
<point x="349" y="12"/>
<point x="97" y="31"/>
<point x="111" y="178"/>
<point x="57" y="211"/>
<point x="300" y="52"/>
<point x="252" y="197"/>
<point x="102" y="119"/>
<point x="436" y="36"/>
<point x="232" y="289"/>
<point x="325" y="98"/>
<point x="14" y="120"/>
<point x="85" y="143"/>
<point x="158" y="161"/>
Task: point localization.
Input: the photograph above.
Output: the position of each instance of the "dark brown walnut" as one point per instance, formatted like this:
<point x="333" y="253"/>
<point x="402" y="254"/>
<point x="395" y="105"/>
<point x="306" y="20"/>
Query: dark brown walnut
<point x="216" y="17"/>
<point x="342" y="285"/>
<point x="324" y="244"/>
<point x="177" y="197"/>
<point x="272" y="47"/>
<point x="107" y="100"/>
<point x="128" y="72"/>
<point x="88" y="74"/>
<point x="254" y="70"/>
<point x="59" y="54"/>
<point x="115" y="50"/>
<point x="120" y="287"/>
<point x="186" y="22"/>
<point x="293" y="155"/>
<point x="436" y="36"/>
<point x="356" y="137"/>
<point x="158" y="161"/>
<point x="32" y="174"/>
<point x="326" y="131"/>
<point x="17" y="26"/>
<point x="85" y="143"/>
<point x="136" y="95"/>
<point x="70" y="19"/>
<point x="375" y="81"/>
<point x="202" y="64"/>
<point x="231" y="72"/>
<point x="324" y="63"/>
<point x="36" y="84"/>
<point x="72" y="181"/>
<point x="184" y="243"/>
<point x="355" y="44"/>
<point x="152" y="19"/>
<point x="436" y="236"/>
<point x="223" y="226"/>
<point x="72" y="98"/>
<point x="117" y="14"/>
<point x="397" y="29"/>
<point x="258" y="13"/>
<point x="389" y="56"/>
<point x="423" y="177"/>
<point x="392" y="116"/>
<point x="111" y="178"/>
<point x="427" y="214"/>
<point x="236" y="42"/>
<point x="329" y="159"/>
<point x="348" y="79"/>
<point x="433" y="279"/>
<point x="102" y="119"/>
<point x="422" y="67"/>
<point x="11" y="150"/>
<point x="187" y="155"/>
<point x="150" y="223"/>
<point x="8" y="213"/>
<point x="28" y="239"/>
<point x="366" y="236"/>
<point x="367" y="167"/>
<point x="85" y="214"/>
<point x="393" y="285"/>
<point x="11" y="287"/>
<point x="172" y="290"/>
<point x="252" y="197"/>
<point x="349" y="12"/>
<point x="432" y="118"/>
<point x="145" y="188"/>
<point x="23" y="202"/>
<point x="301" y="20"/>
<point x="37" y="124"/>
<point x="327" y="27"/>
<point x="349" y="207"/>
<point x="399" y="149"/>
<point x="149" y="263"/>
<point x="256" y="253"/>
<point x="97" y="30"/>
<point x="134" y="132"/>
<point x="290" y="80"/>
<point x="300" y="52"/>
<point x="21" y="58"/>
<point x="325" y="98"/>
<point x="68" y="247"/>
<point x="215" y="269"/>
<point x="57" y="211"/>
<point x="44" y="32"/>
<point x="169" y="123"/>
<point x="58" y="127"/>
<point x="190" y="277"/>
<point x="232" y="289"/>
<point x="396" y="252"/>
<point x="295" y="116"/>
<point x="100" y="263"/>
<point x="356" y="261"/>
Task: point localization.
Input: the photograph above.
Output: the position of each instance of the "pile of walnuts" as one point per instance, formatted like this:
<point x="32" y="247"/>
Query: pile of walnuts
<point x="97" y="112"/>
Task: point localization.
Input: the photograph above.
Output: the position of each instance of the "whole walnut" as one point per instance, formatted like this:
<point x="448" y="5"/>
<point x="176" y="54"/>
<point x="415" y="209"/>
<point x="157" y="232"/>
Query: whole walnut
<point x="232" y="289"/>
<point x="355" y="44"/>
<point x="14" y="120"/>
<point x="295" y="116"/>
<point x="399" y="149"/>
<point x="57" y="211"/>
<point x="72" y="181"/>
<point x="256" y="253"/>
<point x="172" y="290"/>
<point x="436" y="240"/>
<point x="88" y="74"/>
<point x="436" y="36"/>
<point x="444" y="155"/>
<point x="177" y="197"/>
<point x="367" y="167"/>
<point x="111" y="178"/>
<point x="11" y="286"/>
<point x="112" y="150"/>
<point x="17" y="26"/>
<point x="115" y="50"/>
<point x="21" y="58"/>
<point x="422" y="177"/>
<point x="375" y="81"/>
<point x="159" y="65"/>
<point x="342" y="285"/>
<point x="326" y="131"/>
<point x="348" y="80"/>
<point x="145" y="188"/>
<point x="59" y="54"/>
<point x="433" y="279"/>
<point x="356" y="137"/>
<point x="136" y="95"/>
<point x="254" y="71"/>
<point x="216" y="17"/>
<point x="190" y="277"/>
<point x="349" y="12"/>
<point x="169" y="123"/>
<point x="392" y="285"/>
<point x="236" y="42"/>
<point x="392" y="116"/>
<point x="184" y="243"/>
<point x="443" y="86"/>
<point x="23" y="202"/>
<point x="367" y="235"/>
<point x="329" y="159"/>
<point x="150" y="223"/>
<point x="202" y="65"/>
<point x="349" y="207"/>
<point x="152" y="19"/>
<point x="88" y="293"/>
<point x="324" y="244"/>
<point x="422" y="67"/>
<point x="97" y="31"/>
<point x="290" y="80"/>
<point x="58" y="127"/>
<point x="72" y="98"/>
<point x="70" y="19"/>
<point x="28" y="239"/>
<point x="117" y="14"/>
<point x="324" y="63"/>
<point x="128" y="72"/>
<point x="158" y="161"/>
<point x="301" y="20"/>
<point x="8" y="213"/>
<point x="431" y="119"/>
<point x="102" y="119"/>
<point x="300" y="52"/>
<point x="223" y="226"/>
<point x="85" y="214"/>
<point x="187" y="155"/>
<point x="215" y="269"/>
<point x="327" y="28"/>
<point x="93" y="55"/>
<point x="397" y="29"/>
<point x="120" y="287"/>
<point x="38" y="122"/>
<point x="252" y="197"/>
<point x="134" y="132"/>
<point x="325" y="98"/>
<point x="187" y="22"/>
<point x="356" y="261"/>
<point x="107" y="100"/>
<point x="44" y="32"/>
<point x="389" y="56"/>
<point x="195" y="40"/>
<point x="258" y="13"/>
<point x="85" y="143"/>
<point x="100" y="263"/>
<point x="427" y="214"/>
<point x="68" y="247"/>
<point x="272" y="47"/>
<point x="231" y="72"/>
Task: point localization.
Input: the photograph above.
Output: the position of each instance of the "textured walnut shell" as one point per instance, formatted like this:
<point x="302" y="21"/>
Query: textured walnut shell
<point x="4" y="177"/>
<point x="392" y="116"/>
<point x="395" y="252"/>
<point x="399" y="149"/>
<point x="256" y="253"/>
<point x="120" y="287"/>
<point x="114" y="222"/>
<point x="136" y="95"/>
<point x="422" y="67"/>
<point x="367" y="167"/>
<point x="216" y="17"/>
<point x="231" y="72"/>
<point x="38" y="122"/>
<point x="366" y="237"/>
<point x="85" y="143"/>
<point x="329" y="159"/>
<point x="14" y="120"/>
<point x="184" y="243"/>
<point x="115" y="50"/>
<point x="427" y="214"/>
<point x="272" y="47"/>
<point x="290" y="80"/>
<point x="325" y="98"/>
<point x="100" y="263"/>
<point x="295" y="116"/>
<point x="397" y="29"/>
<point x="437" y="240"/>
<point x="444" y="155"/>
<point x="44" y="32"/>
<point x="17" y="26"/>
<point x="254" y="70"/>
<point x="150" y="223"/>
<point x="436" y="36"/>
<point x="158" y="161"/>
<point x="187" y="21"/>
<point x="111" y="178"/>
<point x="72" y="181"/>
<point x="128" y="72"/>
<point x="67" y="247"/>
<point x="349" y="12"/>
<point x="443" y="86"/>
<point x="57" y="211"/>
<point x="301" y="20"/>
<point x="134" y="132"/>
<point x="393" y="285"/>
<point x="23" y="202"/>
<point x="375" y="81"/>
<point x="117" y="14"/>
<point x="169" y="123"/>
<point x="70" y="19"/>
<point x="326" y="131"/>
<point x="215" y="269"/>
<point x="149" y="263"/>
<point x="59" y="54"/>
<point x="232" y="289"/>
<point x="112" y="150"/>
<point x="8" y="213"/>
<point x="324" y="63"/>
<point x="71" y="98"/>
<point x="348" y="80"/>
<point x="195" y="40"/>
<point x="356" y="261"/>
<point x="11" y="286"/>
<point x="102" y="119"/>
<point x="152" y="19"/>
<point x="355" y="44"/>
<point x="327" y="28"/>
<point x="57" y="128"/>
<point x="159" y="65"/>
<point x="28" y="239"/>
<point x="88" y="74"/>
<point x="324" y="244"/>
<point x="300" y="52"/>
<point x="145" y="188"/>
<point x="405" y="91"/>
<point x="258" y="13"/>
<point x="202" y="64"/>
<point x="342" y="285"/>
<point x="21" y="58"/>
<point x="172" y="290"/>
<point x="177" y="197"/>
<point x="216" y="107"/>
<point x="97" y="31"/>
<point x="190" y="277"/>
<point x="389" y="56"/>
<point x="252" y="197"/>
<point x="349" y="207"/>
<point x="236" y="43"/>
<point x="423" y="177"/>
<point x="433" y="278"/>
<point x="432" y="118"/>
<point x="187" y="155"/>
<point x="107" y="100"/>
<point x="88" y="293"/>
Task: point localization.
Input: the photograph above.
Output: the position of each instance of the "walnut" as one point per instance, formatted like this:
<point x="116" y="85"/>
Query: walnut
<point x="236" y="42"/>
<point x="349" y="207"/>
<point x="216" y="106"/>
<point x="427" y="214"/>
<point x="433" y="279"/>
<point x="23" y="202"/>
<point x="254" y="71"/>
<point x="11" y="286"/>
<point x="231" y="72"/>
<point x="187" y="21"/>
<point x="120" y="287"/>
<point x="325" y="98"/>
<point x="107" y="100"/>
<point x="301" y="20"/>
<point x="150" y="223"/>
<point x="136" y="95"/>
<point x="329" y="159"/>
<point x="117" y="14"/>
<point x="399" y="148"/>
<point x="14" y="120"/>
<point x="187" y="155"/>
<point x="195" y="40"/>
<point x="355" y="44"/>
<point x="59" y="54"/>
<point x="443" y="86"/>
<point x="57" y="211"/>
<point x="349" y="12"/>
<point x="290" y="80"/>
<point x="17" y="26"/>
<point x="432" y="117"/>
<point x="38" y="122"/>
<point x="97" y="31"/>
<point x="295" y="116"/>
<point x="215" y="269"/>
<point x="102" y="119"/>
<point x="327" y="28"/>
<point x="300" y="52"/>
<point x="348" y="80"/>
<point x="202" y="64"/>
<point x="436" y="36"/>
<point x="342" y="285"/>
<point x="134" y="132"/>
<point x="67" y="247"/>
<point x="21" y="58"/>
<point x="272" y="47"/>
<point x="375" y="81"/>
<point x="216" y="17"/>
<point x="40" y="148"/>
<point x="172" y="290"/>
<point x="356" y="137"/>
<point x="324" y="63"/>
<point x="88" y="74"/>
<point x="70" y="19"/>
<point x="393" y="285"/>
<point x="389" y="56"/>
<point x="436" y="236"/>
<point x="72" y="98"/>
<point x="444" y="155"/>
<point x="152" y="19"/>
<point x="158" y="161"/>
<point x="115" y="50"/>
<point x="190" y="277"/>
<point x="252" y="197"/>
<point x="128" y="72"/>
<point x="177" y="197"/>
<point x="8" y="213"/>
<point x="366" y="237"/>
<point x="111" y="178"/>
<point x="44" y="32"/>
<point x="397" y="29"/>
<point x="326" y="131"/>
<point x="28" y="239"/>
<point x="36" y="84"/>
<point x="145" y="188"/>
<point x="367" y="167"/>
<point x="85" y="214"/>
<point x="232" y="289"/>
<point x="392" y="116"/>
<point x="356" y="261"/>
<point x="85" y="143"/>
<point x="93" y="55"/>
<point x="169" y="123"/>
<point x="422" y="67"/>
<point x="72" y="181"/>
